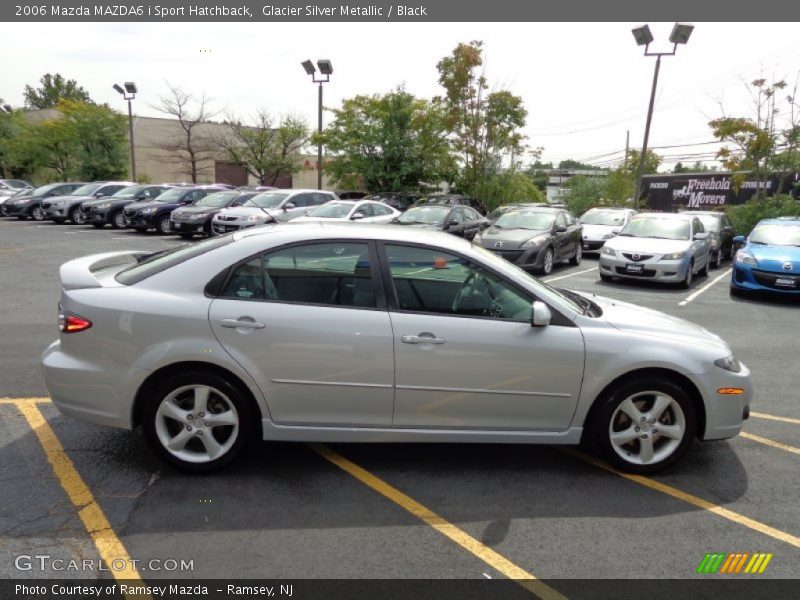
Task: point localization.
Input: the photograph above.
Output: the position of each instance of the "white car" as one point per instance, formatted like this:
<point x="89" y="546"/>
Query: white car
<point x="273" y="206"/>
<point x="365" y="211"/>
<point x="601" y="224"/>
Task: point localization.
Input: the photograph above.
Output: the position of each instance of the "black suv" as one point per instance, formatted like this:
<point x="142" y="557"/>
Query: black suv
<point x="453" y="200"/>
<point x="109" y="210"/>
<point x="196" y="219"/>
<point x="155" y="214"/>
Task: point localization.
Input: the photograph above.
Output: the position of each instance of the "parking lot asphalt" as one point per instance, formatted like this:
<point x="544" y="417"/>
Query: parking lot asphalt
<point x="398" y="510"/>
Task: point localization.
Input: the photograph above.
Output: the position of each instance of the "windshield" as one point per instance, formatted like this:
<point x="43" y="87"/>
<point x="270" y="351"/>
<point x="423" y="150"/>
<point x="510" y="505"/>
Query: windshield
<point x="665" y="228"/>
<point x="603" y="217"/>
<point x="440" y="200"/>
<point x="131" y="190"/>
<point x="266" y="200"/>
<point x="173" y="195"/>
<point x="86" y="190"/>
<point x="520" y="219"/>
<point x="333" y="210"/>
<point x="216" y="200"/>
<point x="776" y="235"/>
<point x="45" y="189"/>
<point x="710" y="222"/>
<point x="428" y="215"/>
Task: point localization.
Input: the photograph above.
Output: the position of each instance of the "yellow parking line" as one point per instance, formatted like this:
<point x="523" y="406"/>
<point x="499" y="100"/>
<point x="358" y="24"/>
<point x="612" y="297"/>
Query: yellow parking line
<point x="759" y="415"/>
<point x="108" y="545"/>
<point x="23" y="400"/>
<point x="768" y="442"/>
<point x="692" y="499"/>
<point x="459" y="536"/>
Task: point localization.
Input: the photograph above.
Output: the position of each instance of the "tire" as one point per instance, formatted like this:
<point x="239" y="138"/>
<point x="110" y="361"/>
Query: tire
<point x="704" y="271"/>
<point x="162" y="225"/>
<point x="76" y="216"/>
<point x="186" y="236"/>
<point x="576" y="260"/>
<point x="687" y="281"/>
<point x="640" y="446"/>
<point x="98" y="225"/>
<point x="604" y="277"/>
<point x="547" y="262"/>
<point x="117" y="219"/>
<point x="37" y="213"/>
<point x="171" y="415"/>
<point x="717" y="259"/>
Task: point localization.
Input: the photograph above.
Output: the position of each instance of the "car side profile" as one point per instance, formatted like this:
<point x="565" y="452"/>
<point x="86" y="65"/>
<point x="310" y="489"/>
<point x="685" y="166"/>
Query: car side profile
<point x="363" y="211"/>
<point x="664" y="247"/>
<point x="59" y="209"/>
<point x="109" y="211"/>
<point x="155" y="214"/>
<point x="28" y="204"/>
<point x="269" y="207"/>
<point x="720" y="233"/>
<point x="370" y="333"/>
<point x="458" y="220"/>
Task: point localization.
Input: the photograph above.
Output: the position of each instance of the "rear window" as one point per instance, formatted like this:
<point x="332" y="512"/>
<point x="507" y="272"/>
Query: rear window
<point x="161" y="261"/>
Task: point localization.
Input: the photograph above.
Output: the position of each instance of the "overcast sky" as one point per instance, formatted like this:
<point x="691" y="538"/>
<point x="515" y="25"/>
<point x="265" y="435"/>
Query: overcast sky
<point x="584" y="85"/>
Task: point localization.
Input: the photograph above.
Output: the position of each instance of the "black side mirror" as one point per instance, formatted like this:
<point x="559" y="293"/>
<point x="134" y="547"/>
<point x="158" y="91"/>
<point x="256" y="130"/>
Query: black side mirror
<point x="141" y="197"/>
<point x="561" y="229"/>
<point x="727" y="229"/>
<point x="187" y="200"/>
<point x="453" y="223"/>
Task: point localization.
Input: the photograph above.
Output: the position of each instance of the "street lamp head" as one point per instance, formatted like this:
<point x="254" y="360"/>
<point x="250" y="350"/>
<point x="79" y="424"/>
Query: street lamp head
<point x="6" y="108"/>
<point x="680" y="33"/>
<point x="642" y="35"/>
<point x="130" y="87"/>
<point x="119" y="89"/>
<point x="309" y="67"/>
<point x="325" y="66"/>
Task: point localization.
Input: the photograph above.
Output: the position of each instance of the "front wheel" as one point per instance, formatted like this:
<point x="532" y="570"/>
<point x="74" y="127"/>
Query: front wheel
<point x="547" y="262"/>
<point x="644" y="425"/>
<point x="197" y="421"/>
<point x="704" y="271"/>
<point x="76" y="216"/>
<point x="717" y="259"/>
<point x="687" y="280"/>
<point x="162" y="225"/>
<point x="117" y="220"/>
<point x="576" y="259"/>
<point x="37" y="213"/>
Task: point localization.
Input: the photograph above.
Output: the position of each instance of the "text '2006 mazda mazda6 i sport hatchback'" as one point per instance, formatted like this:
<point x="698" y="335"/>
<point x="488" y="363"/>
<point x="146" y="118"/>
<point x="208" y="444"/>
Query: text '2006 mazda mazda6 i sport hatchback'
<point x="367" y="333"/>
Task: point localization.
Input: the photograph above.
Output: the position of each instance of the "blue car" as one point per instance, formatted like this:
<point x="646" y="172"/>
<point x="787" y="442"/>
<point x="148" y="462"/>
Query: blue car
<point x="770" y="259"/>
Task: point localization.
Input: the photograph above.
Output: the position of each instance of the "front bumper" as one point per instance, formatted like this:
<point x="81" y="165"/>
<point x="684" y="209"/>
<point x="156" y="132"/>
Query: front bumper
<point x="16" y="210"/>
<point x="590" y="245"/>
<point x="527" y="258"/>
<point x="56" y="212"/>
<point x="670" y="271"/>
<point x="746" y="278"/>
<point x="725" y="413"/>
<point x="97" y="216"/>
<point x="138" y="221"/>
<point x="98" y="391"/>
<point x="198" y="226"/>
<point x="222" y="227"/>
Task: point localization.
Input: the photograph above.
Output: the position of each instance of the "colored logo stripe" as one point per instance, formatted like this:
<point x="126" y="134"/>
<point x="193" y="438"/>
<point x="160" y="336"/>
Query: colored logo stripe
<point x="721" y="562"/>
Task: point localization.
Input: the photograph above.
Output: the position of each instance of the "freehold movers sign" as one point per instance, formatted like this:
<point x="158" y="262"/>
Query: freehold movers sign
<point x="704" y="190"/>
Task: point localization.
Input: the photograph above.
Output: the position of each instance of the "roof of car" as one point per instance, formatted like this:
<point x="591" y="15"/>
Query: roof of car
<point x="665" y="215"/>
<point x="788" y="220"/>
<point x="703" y="212"/>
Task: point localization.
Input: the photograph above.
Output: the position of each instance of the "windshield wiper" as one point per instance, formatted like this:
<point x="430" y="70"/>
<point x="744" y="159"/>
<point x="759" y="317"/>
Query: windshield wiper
<point x="759" y="243"/>
<point x="625" y="235"/>
<point x="585" y="304"/>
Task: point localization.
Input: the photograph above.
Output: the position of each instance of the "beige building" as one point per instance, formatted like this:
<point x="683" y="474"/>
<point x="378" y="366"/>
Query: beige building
<point x="158" y="159"/>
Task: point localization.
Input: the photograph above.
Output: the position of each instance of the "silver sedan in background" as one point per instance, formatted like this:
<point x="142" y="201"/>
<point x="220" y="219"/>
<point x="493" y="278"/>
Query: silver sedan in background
<point x="658" y="247"/>
<point x="372" y="333"/>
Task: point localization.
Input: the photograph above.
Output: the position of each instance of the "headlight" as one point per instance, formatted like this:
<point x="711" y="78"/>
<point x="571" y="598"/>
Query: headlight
<point x="746" y="259"/>
<point x="534" y="241"/>
<point x="608" y="236"/>
<point x="608" y="251"/>
<point x="147" y="211"/>
<point x="100" y="206"/>
<point x="729" y="364"/>
<point x="253" y="218"/>
<point x="57" y="203"/>
<point x="198" y="216"/>
<point x="674" y="256"/>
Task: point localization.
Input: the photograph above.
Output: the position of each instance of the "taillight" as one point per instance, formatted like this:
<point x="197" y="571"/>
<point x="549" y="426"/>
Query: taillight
<point x="71" y="323"/>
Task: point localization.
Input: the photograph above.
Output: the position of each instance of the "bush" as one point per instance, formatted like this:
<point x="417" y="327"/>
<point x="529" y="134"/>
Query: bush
<point x="745" y="216"/>
<point x="507" y="188"/>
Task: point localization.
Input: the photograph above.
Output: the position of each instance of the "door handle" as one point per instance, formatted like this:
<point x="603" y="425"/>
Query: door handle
<point x="234" y="323"/>
<point x="422" y="339"/>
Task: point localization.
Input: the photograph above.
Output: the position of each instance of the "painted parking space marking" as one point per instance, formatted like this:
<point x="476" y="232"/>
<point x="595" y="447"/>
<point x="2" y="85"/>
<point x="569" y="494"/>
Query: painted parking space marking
<point x="691" y="499"/>
<point x="106" y="541"/>
<point x="492" y="558"/>
<point x="768" y="442"/>
<point x="569" y="275"/>
<point x="759" y="415"/>
<point x="705" y="288"/>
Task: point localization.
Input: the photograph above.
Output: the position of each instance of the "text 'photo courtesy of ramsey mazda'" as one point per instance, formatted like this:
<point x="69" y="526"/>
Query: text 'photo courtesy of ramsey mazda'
<point x="436" y="340"/>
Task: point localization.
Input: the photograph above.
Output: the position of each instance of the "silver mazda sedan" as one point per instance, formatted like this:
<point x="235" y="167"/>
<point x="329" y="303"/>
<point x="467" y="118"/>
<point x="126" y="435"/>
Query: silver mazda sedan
<point x="370" y="333"/>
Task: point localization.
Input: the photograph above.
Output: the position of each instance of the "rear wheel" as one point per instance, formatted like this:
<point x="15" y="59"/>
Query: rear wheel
<point x="117" y="220"/>
<point x="717" y="259"/>
<point x="576" y="259"/>
<point x="644" y="425"/>
<point x="197" y="421"/>
<point x="76" y="216"/>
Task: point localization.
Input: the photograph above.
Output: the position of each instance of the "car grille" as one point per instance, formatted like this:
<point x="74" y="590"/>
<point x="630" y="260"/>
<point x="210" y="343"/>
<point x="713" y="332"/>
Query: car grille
<point x="227" y="218"/>
<point x="768" y="279"/>
<point x="509" y="255"/>
<point x="129" y="213"/>
<point x="643" y="273"/>
<point x="639" y="257"/>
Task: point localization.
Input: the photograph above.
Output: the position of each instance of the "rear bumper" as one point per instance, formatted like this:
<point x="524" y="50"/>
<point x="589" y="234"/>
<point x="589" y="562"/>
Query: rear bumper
<point x="97" y="391"/>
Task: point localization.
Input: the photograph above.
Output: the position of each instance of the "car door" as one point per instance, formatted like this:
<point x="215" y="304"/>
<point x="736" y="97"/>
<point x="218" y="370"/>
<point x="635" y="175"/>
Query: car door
<point x="308" y="322"/>
<point x="472" y="224"/>
<point x="561" y="236"/>
<point x="455" y="222"/>
<point x="466" y="355"/>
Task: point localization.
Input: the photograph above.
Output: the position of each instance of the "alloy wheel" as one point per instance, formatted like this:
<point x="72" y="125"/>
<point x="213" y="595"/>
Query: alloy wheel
<point x="37" y="213"/>
<point x="647" y="427"/>
<point x="547" y="267"/>
<point x="118" y="220"/>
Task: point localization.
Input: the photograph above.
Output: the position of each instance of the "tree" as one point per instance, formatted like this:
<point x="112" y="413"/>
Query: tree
<point x="53" y="89"/>
<point x="485" y="127"/>
<point x="507" y="187"/>
<point x="99" y="136"/>
<point x="575" y="165"/>
<point x="651" y="163"/>
<point x="697" y="167"/>
<point x="190" y="147"/>
<point x="267" y="152"/>
<point x="390" y="142"/>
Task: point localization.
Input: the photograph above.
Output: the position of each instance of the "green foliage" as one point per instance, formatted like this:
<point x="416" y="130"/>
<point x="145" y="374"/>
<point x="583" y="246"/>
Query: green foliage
<point x="53" y="89"/>
<point x="267" y="152"/>
<point x="697" y="167"/>
<point x="15" y="161"/>
<point x="98" y="135"/>
<point x="583" y="193"/>
<point x="651" y="163"/>
<point x="508" y="187"/>
<point x="484" y="126"/>
<point x="745" y="216"/>
<point x="390" y="142"/>
<point x="575" y="165"/>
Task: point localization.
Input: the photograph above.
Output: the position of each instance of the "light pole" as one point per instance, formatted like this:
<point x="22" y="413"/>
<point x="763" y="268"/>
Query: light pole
<point x="129" y="93"/>
<point x="680" y="35"/>
<point x="326" y="69"/>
